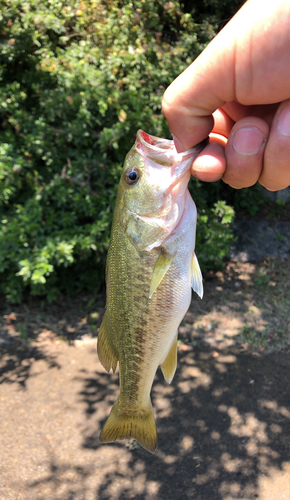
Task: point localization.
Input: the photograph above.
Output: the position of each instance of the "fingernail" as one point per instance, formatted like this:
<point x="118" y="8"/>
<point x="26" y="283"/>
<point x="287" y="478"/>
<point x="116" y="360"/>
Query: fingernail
<point x="284" y="121"/>
<point x="248" y="140"/>
<point x="178" y="145"/>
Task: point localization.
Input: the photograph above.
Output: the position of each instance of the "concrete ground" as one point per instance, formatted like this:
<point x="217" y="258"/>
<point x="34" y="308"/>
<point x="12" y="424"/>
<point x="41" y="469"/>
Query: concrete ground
<point x="223" y="424"/>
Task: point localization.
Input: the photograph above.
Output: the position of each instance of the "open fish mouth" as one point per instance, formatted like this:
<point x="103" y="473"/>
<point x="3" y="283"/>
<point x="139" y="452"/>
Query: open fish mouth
<point x="163" y="151"/>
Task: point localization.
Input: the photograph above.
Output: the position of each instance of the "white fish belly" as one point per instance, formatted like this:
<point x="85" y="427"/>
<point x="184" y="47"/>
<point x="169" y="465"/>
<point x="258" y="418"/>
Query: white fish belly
<point x="171" y="299"/>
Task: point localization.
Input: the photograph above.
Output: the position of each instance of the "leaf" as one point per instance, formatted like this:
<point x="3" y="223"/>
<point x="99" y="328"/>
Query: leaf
<point x="122" y="116"/>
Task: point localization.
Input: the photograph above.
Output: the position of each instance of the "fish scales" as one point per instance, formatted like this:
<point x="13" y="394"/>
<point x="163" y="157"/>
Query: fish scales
<point x="150" y="268"/>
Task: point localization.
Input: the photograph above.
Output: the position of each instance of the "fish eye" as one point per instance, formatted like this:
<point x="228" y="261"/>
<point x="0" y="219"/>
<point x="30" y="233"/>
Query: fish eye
<point x="132" y="176"/>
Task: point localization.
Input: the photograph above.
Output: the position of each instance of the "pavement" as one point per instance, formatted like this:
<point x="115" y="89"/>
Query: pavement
<point x="223" y="424"/>
<point x="256" y="240"/>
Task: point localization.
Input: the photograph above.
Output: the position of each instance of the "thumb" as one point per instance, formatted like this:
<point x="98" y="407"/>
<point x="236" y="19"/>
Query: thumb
<point x="189" y="102"/>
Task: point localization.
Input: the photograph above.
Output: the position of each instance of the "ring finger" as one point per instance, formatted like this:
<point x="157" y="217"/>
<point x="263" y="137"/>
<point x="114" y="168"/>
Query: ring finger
<point x="276" y="172"/>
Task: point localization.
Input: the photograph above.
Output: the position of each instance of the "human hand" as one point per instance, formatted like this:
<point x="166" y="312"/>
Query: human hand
<point x="239" y="90"/>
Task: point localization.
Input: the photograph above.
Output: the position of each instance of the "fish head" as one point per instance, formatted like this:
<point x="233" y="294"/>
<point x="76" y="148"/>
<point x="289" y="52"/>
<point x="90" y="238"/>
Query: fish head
<point x="152" y="187"/>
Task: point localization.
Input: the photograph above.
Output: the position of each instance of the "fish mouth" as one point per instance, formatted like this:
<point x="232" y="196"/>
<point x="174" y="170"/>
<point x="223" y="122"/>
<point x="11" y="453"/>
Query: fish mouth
<point x="163" y="151"/>
<point x="170" y="186"/>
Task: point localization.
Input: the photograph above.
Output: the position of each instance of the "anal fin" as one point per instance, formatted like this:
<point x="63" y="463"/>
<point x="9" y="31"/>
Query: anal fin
<point x="106" y="353"/>
<point x="160" y="269"/>
<point x="196" y="276"/>
<point x="169" y="365"/>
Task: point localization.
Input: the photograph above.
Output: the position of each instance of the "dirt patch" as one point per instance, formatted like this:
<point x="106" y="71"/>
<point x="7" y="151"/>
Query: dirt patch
<point x="248" y="305"/>
<point x="223" y="425"/>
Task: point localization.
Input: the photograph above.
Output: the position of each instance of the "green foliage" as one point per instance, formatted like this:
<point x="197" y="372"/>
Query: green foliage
<point x="262" y="279"/>
<point x="214" y="236"/>
<point x="281" y="203"/>
<point x="250" y="200"/>
<point x="78" y="78"/>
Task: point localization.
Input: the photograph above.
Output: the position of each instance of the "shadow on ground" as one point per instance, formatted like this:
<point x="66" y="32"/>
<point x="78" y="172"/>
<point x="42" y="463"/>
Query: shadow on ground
<point x="223" y="425"/>
<point x="16" y="360"/>
<point x="223" y="430"/>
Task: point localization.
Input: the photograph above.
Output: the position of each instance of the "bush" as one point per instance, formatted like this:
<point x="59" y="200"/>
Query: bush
<point x="78" y="79"/>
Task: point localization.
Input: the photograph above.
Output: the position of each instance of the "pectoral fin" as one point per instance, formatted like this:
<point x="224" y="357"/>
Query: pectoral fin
<point x="168" y="366"/>
<point x="107" y="355"/>
<point x="160" y="269"/>
<point x="196" y="276"/>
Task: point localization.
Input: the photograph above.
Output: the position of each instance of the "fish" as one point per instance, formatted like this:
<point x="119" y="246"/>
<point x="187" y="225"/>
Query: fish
<point x="150" y="270"/>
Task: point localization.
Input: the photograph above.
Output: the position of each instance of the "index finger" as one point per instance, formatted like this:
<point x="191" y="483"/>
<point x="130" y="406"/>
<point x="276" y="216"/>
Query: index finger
<point x="240" y="64"/>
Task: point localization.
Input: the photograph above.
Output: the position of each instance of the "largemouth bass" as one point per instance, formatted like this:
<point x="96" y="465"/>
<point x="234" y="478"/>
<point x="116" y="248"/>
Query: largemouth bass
<point x="151" y="267"/>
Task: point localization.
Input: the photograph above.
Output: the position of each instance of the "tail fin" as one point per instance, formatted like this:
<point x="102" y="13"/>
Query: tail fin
<point x="124" y="423"/>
